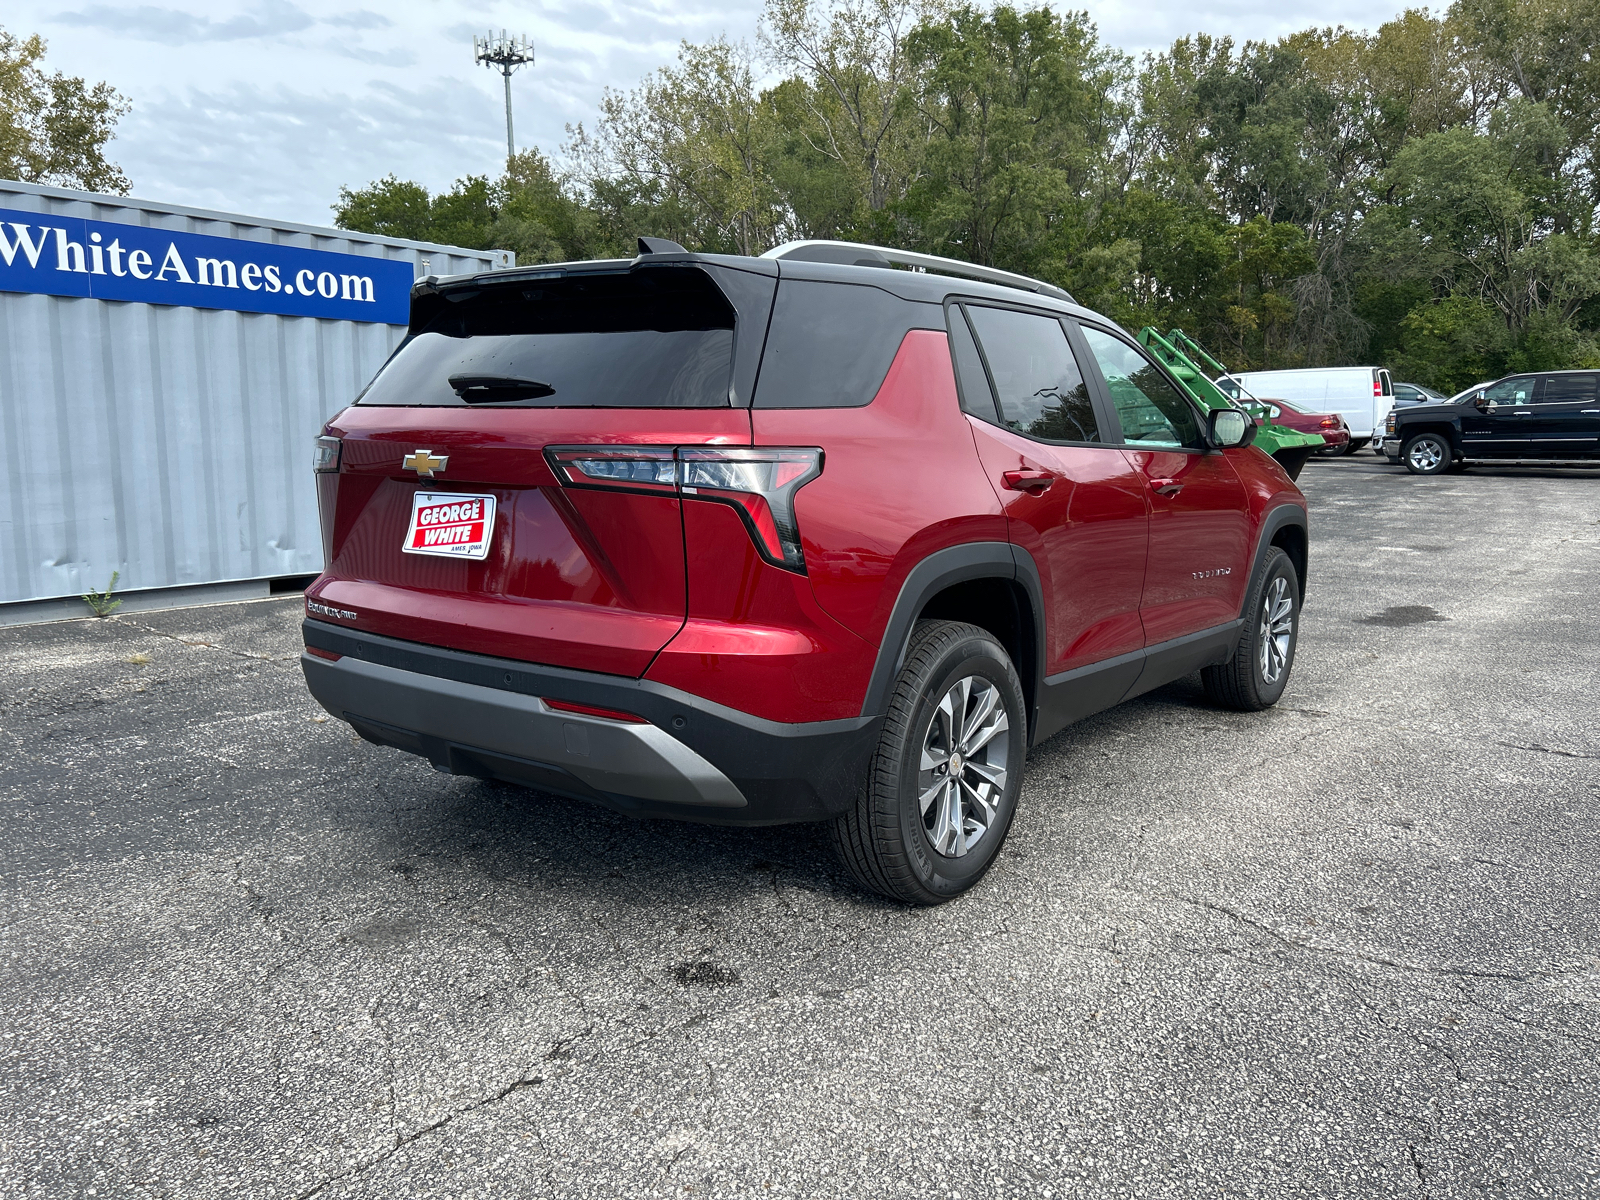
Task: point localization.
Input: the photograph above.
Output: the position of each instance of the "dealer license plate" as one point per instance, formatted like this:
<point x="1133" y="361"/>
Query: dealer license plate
<point x="450" y="525"/>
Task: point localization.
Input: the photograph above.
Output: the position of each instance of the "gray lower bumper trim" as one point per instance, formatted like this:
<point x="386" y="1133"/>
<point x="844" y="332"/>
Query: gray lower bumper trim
<point x="639" y="761"/>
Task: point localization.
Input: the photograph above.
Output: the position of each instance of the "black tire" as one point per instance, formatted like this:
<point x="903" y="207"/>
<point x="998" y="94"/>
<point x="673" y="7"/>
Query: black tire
<point x="885" y="839"/>
<point x="1335" y="451"/>
<point x="1245" y="683"/>
<point x="1427" y="454"/>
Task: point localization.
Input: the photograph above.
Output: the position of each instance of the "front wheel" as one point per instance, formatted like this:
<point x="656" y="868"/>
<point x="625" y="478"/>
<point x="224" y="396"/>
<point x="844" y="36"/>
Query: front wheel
<point x="942" y="788"/>
<point x="1255" y="677"/>
<point x="1426" y="454"/>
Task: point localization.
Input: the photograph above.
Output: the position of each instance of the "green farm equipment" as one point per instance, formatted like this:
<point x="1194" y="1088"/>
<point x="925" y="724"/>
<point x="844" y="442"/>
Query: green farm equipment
<point x="1179" y="353"/>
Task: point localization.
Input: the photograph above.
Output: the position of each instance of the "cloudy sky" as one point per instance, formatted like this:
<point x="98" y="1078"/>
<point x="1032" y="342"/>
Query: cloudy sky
<point x="267" y="107"/>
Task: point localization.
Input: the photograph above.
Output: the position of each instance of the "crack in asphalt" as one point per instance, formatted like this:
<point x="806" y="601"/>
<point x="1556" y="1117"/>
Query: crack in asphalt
<point x="202" y="644"/>
<point x="1376" y="959"/>
<point x="1535" y="746"/>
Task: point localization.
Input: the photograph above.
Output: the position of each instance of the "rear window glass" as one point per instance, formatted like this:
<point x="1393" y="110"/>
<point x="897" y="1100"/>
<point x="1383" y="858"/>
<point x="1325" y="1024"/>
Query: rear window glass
<point x="831" y="344"/>
<point x="1569" y="389"/>
<point x="653" y="338"/>
<point x="1036" y="376"/>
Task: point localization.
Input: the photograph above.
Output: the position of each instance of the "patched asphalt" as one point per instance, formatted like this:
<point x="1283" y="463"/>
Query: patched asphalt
<point x="1348" y="947"/>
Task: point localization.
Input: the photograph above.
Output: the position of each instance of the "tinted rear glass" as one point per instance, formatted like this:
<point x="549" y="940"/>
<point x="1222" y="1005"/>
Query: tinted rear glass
<point x="1568" y="389"/>
<point x="1037" y="380"/>
<point x="651" y="338"/>
<point x="830" y="344"/>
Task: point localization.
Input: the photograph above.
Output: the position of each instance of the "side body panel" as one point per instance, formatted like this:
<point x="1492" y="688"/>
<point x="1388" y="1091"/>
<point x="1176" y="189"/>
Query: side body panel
<point x="900" y="480"/>
<point x="1088" y="534"/>
<point x="1200" y="536"/>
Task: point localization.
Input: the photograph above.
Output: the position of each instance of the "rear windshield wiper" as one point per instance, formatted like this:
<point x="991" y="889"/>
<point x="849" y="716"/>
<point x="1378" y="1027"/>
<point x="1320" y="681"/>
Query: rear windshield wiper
<point x="497" y="389"/>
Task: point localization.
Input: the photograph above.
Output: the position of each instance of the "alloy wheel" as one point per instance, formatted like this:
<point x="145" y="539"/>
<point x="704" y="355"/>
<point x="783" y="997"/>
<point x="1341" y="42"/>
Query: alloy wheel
<point x="962" y="773"/>
<point x="1426" y="454"/>
<point x="1277" y="629"/>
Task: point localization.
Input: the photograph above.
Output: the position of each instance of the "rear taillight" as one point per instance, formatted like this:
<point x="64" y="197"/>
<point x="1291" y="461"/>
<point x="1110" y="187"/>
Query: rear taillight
<point x="615" y="468"/>
<point x="1377" y="387"/>
<point x="326" y="457"/>
<point x="758" y="482"/>
<point x="1330" y="422"/>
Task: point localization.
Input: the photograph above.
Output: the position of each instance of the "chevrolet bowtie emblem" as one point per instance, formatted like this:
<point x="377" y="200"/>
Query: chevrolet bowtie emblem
<point x="424" y="463"/>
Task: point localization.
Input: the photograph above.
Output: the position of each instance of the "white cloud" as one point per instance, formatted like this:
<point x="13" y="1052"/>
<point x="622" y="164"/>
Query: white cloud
<point x="267" y="108"/>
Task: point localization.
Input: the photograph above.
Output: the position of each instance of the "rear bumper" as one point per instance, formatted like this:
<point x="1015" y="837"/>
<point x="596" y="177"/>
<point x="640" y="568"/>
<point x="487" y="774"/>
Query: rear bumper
<point x="474" y="715"/>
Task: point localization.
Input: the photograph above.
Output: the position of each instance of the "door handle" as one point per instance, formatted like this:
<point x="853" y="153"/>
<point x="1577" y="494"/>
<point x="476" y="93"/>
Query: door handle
<point x="1032" y="482"/>
<point x="1166" y="487"/>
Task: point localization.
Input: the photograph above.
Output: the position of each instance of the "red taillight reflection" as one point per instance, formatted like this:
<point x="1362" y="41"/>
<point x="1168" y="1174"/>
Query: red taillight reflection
<point x="593" y="710"/>
<point x="319" y="652"/>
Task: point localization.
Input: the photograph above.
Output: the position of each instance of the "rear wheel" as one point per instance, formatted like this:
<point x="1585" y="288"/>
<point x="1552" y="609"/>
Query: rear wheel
<point x="942" y="787"/>
<point x="1259" y="671"/>
<point x="1426" y="454"/>
<point x="1338" y="451"/>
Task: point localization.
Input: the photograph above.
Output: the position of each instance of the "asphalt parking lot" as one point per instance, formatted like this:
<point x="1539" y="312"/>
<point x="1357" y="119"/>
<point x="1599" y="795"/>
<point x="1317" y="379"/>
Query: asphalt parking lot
<point x="1348" y="947"/>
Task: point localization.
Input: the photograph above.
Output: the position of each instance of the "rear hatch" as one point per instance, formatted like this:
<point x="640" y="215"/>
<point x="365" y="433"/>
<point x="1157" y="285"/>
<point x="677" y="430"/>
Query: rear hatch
<point x="506" y="485"/>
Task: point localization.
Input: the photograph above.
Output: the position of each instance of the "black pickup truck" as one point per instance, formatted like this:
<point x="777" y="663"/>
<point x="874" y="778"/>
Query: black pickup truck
<point x="1552" y="416"/>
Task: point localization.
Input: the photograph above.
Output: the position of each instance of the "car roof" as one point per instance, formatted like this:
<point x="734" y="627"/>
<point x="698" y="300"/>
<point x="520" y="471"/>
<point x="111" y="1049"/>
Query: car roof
<point x="924" y="286"/>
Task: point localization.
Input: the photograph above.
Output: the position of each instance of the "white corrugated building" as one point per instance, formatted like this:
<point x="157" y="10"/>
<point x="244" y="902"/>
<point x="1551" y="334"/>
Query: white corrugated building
<point x="163" y="371"/>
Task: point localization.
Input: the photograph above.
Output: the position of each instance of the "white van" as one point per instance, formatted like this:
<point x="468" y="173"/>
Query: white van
<point x="1363" y="396"/>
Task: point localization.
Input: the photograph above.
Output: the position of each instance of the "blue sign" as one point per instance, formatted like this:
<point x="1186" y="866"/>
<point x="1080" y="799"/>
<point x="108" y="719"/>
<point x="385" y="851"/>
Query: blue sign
<point x="70" y="256"/>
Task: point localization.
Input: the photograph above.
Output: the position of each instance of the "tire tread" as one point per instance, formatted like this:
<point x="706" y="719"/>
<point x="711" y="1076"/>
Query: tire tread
<point x="866" y="835"/>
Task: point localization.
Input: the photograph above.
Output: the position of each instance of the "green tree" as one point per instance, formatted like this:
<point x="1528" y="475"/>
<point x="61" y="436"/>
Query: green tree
<point x="53" y="127"/>
<point x="1016" y="108"/>
<point x="697" y="136"/>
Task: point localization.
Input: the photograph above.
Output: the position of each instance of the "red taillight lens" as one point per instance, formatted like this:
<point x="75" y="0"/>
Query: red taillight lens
<point x="759" y="482"/>
<point x="1330" y="422"/>
<point x="319" y="652"/>
<point x="1377" y="387"/>
<point x="593" y="710"/>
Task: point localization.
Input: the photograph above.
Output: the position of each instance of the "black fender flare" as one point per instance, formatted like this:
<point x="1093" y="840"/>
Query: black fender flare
<point x="1271" y="524"/>
<point x="941" y="569"/>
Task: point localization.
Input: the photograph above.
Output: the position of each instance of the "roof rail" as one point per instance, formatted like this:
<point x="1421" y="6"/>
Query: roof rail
<point x="858" y="254"/>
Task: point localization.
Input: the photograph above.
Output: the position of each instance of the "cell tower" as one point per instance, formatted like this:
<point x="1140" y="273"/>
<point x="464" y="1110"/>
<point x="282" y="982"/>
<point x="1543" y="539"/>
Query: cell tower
<point x="508" y="53"/>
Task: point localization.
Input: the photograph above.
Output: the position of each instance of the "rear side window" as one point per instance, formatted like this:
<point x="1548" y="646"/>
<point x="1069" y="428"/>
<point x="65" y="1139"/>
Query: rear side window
<point x="831" y="344"/>
<point x="1037" y="381"/>
<point x="651" y="338"/>
<point x="976" y="398"/>
<point x="1568" y="389"/>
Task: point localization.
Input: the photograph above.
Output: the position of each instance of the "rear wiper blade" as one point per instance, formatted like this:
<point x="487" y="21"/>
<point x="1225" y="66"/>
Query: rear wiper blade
<point x="497" y="389"/>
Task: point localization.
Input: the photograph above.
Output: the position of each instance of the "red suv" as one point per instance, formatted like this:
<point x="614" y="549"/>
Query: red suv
<point x="791" y="538"/>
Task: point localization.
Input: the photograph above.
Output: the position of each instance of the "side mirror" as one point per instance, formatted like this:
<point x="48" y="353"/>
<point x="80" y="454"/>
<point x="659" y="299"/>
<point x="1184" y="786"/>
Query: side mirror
<point x="1482" y="403"/>
<point x="1230" y="427"/>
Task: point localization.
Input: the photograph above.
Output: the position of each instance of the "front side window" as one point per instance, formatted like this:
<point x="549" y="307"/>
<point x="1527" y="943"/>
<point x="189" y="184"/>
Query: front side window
<point x="1152" y="411"/>
<point x="1511" y="393"/>
<point x="1569" y="389"/>
<point x="1037" y="382"/>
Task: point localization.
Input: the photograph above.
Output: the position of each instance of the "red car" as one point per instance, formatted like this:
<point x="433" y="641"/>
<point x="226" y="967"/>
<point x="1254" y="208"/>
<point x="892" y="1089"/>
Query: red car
<point x="791" y="538"/>
<point x="1335" y="433"/>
